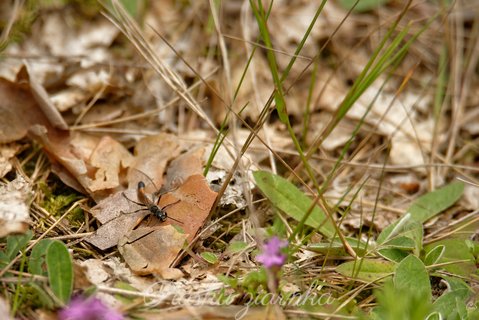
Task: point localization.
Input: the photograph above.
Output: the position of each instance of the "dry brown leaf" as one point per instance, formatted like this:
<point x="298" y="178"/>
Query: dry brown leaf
<point x="191" y="204"/>
<point x="195" y="201"/>
<point x="184" y="166"/>
<point x="152" y="250"/>
<point x="41" y="97"/>
<point x="151" y="156"/>
<point x="109" y="158"/>
<point x="14" y="212"/>
<point x="95" y="163"/>
<point x="19" y="111"/>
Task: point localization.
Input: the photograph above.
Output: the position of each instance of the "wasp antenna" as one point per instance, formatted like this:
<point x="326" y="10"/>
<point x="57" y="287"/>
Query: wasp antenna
<point x="147" y="176"/>
<point x="175" y="219"/>
<point x="140" y="204"/>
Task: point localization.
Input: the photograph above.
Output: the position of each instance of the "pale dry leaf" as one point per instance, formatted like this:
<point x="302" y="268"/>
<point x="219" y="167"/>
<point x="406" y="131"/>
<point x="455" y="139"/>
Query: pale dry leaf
<point x="119" y="270"/>
<point x="184" y="166"/>
<point x="96" y="163"/>
<point x="89" y="80"/>
<point x="112" y="207"/>
<point x="41" y="97"/>
<point x="7" y="152"/>
<point x="151" y="250"/>
<point x="108" y="235"/>
<point x="5" y="309"/>
<point x="233" y="194"/>
<point x="108" y="158"/>
<point x="338" y="137"/>
<point x="470" y="200"/>
<point x="80" y="277"/>
<point x="95" y="271"/>
<point x="67" y="98"/>
<point x="106" y="272"/>
<point x="90" y="40"/>
<point x="393" y="116"/>
<point x="14" y="211"/>
<point x="152" y="154"/>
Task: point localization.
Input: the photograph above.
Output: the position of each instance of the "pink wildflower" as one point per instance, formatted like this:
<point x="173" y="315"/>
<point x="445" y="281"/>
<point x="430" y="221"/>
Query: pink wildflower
<point x="272" y="255"/>
<point x="81" y="308"/>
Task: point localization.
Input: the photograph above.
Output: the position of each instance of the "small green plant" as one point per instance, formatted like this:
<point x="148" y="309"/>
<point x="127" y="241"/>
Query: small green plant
<point x="48" y="258"/>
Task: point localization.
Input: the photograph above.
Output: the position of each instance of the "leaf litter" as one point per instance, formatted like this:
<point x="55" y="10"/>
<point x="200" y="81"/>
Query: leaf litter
<point x="83" y="84"/>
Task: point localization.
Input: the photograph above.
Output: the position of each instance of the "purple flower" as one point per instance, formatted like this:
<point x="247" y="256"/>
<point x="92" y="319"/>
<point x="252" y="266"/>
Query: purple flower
<point x="81" y="308"/>
<point x="272" y="255"/>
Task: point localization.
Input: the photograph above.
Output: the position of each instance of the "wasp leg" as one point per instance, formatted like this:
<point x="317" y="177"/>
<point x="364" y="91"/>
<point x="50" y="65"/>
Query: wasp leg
<point x="139" y="221"/>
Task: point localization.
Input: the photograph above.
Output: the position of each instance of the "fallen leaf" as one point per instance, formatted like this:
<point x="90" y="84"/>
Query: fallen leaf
<point x="7" y="152"/>
<point x="14" y="212"/>
<point x="109" y="157"/>
<point x="19" y="111"/>
<point x="192" y="203"/>
<point x="184" y="166"/>
<point x="95" y="163"/>
<point x="95" y="271"/>
<point x="80" y="277"/>
<point x="108" y="235"/>
<point x="5" y="309"/>
<point x="151" y="250"/>
<point x="41" y="97"/>
<point x="152" y="153"/>
<point x="195" y="201"/>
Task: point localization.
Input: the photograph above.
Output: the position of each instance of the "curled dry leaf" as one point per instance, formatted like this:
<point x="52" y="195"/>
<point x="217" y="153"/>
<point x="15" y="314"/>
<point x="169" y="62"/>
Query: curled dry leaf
<point x="151" y="250"/>
<point x="109" y="157"/>
<point x="95" y="163"/>
<point x="7" y="152"/>
<point x="14" y="213"/>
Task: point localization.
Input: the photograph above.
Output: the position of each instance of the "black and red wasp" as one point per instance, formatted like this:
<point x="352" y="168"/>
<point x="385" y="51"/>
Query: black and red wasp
<point x="150" y="204"/>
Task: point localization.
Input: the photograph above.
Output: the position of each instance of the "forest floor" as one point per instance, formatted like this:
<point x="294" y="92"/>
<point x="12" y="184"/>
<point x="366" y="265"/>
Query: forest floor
<point x="239" y="159"/>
